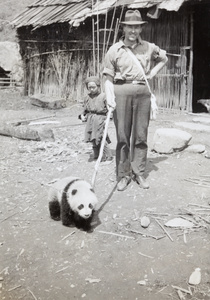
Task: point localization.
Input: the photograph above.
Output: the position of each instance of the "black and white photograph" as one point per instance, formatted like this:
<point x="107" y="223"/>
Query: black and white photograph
<point x="105" y="150"/>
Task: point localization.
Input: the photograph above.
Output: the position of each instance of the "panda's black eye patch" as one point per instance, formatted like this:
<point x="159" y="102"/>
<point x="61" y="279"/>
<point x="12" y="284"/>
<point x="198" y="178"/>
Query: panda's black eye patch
<point x="90" y="206"/>
<point x="74" y="192"/>
<point x="81" y="206"/>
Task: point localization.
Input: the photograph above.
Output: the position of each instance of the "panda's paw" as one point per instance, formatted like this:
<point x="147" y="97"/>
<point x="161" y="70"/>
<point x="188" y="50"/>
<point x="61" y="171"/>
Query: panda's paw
<point x="57" y="218"/>
<point x="67" y="223"/>
<point x="86" y="227"/>
<point x="89" y="230"/>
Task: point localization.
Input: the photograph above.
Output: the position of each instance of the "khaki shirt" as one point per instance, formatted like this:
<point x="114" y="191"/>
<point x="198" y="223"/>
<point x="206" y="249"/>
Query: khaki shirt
<point x="120" y="65"/>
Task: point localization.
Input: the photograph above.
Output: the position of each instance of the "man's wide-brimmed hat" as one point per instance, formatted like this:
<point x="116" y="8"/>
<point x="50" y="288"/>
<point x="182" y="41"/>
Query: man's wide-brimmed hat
<point x="133" y="17"/>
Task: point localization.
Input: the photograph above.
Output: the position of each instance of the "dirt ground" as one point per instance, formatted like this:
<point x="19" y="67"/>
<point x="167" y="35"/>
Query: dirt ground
<point x="41" y="259"/>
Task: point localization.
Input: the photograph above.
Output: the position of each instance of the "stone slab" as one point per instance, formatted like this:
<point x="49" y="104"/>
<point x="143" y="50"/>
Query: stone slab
<point x="50" y="102"/>
<point x="202" y="120"/>
<point x="193" y="126"/>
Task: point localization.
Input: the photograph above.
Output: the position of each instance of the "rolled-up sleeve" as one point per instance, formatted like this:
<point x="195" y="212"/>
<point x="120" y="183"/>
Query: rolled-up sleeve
<point x="158" y="54"/>
<point x="109" y="65"/>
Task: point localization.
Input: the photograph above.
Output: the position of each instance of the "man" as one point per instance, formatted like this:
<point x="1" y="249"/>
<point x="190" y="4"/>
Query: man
<point x="129" y="96"/>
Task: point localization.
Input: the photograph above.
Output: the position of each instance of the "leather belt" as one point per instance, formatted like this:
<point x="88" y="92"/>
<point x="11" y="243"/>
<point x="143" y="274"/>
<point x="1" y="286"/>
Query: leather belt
<point x="130" y="82"/>
<point x="97" y="113"/>
<point x="135" y="81"/>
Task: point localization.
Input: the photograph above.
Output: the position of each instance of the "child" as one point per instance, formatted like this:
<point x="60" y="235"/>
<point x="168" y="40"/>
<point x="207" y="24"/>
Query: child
<point x="95" y="110"/>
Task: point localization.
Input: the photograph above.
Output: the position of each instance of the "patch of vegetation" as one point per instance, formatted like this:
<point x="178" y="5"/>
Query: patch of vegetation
<point x="9" y="10"/>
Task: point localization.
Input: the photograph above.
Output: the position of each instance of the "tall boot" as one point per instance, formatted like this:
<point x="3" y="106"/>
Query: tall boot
<point x="95" y="151"/>
<point x="94" y="155"/>
<point x="107" y="154"/>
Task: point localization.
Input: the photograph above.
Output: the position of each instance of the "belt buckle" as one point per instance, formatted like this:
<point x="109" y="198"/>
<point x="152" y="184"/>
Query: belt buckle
<point x="135" y="82"/>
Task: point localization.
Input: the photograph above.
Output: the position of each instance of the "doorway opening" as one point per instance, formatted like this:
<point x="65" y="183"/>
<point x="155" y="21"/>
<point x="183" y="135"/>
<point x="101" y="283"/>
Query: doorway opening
<point x="201" y="61"/>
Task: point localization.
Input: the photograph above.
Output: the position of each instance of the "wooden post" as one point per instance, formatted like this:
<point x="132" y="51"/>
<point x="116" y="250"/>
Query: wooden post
<point x="183" y="79"/>
<point x="190" y="78"/>
<point x="26" y="133"/>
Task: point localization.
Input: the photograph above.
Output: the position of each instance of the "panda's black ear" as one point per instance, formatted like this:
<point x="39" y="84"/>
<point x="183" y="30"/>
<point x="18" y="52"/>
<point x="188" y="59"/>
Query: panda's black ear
<point x="74" y="192"/>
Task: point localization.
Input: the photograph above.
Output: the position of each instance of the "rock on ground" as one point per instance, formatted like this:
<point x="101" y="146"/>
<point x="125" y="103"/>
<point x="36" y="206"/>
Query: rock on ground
<point x="168" y="140"/>
<point x="196" y="148"/>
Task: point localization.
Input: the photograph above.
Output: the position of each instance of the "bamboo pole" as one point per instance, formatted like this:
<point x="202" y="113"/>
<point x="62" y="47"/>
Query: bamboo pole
<point x="104" y="42"/>
<point x="118" y="25"/>
<point x="102" y="146"/>
<point x="116" y="30"/>
<point x="93" y="40"/>
<point x="110" y="29"/>
<point x="98" y="58"/>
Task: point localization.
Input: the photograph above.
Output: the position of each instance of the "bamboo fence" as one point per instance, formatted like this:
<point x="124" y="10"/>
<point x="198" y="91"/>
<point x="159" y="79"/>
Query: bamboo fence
<point x="171" y="34"/>
<point x="58" y="73"/>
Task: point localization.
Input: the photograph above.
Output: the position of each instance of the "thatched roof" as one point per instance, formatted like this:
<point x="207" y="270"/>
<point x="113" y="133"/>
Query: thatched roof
<point x="47" y="12"/>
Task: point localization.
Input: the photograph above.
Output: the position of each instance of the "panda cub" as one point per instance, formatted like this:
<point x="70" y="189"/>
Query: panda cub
<point x="72" y="200"/>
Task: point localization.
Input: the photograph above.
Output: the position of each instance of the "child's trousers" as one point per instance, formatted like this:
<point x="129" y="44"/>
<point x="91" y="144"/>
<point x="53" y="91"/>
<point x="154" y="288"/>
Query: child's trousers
<point x="106" y="151"/>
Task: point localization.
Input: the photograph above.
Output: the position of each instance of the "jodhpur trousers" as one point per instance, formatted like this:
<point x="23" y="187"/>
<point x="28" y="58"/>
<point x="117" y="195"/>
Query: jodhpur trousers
<point x="131" y="118"/>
